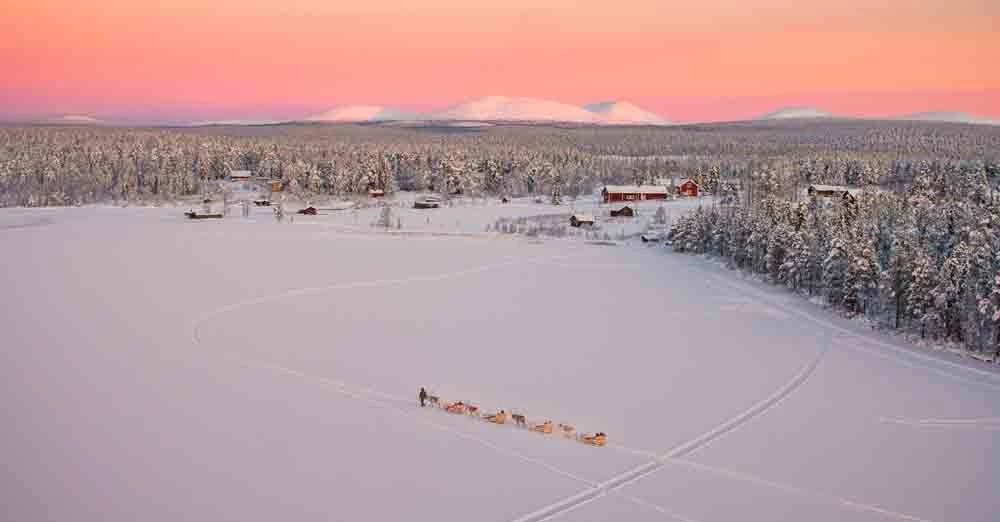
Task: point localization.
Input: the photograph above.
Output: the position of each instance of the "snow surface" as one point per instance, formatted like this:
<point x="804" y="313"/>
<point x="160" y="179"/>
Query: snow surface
<point x="162" y="369"/>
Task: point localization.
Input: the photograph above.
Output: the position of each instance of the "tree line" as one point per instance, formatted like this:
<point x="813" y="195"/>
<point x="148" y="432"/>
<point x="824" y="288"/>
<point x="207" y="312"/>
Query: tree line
<point x="922" y="257"/>
<point x="78" y="165"/>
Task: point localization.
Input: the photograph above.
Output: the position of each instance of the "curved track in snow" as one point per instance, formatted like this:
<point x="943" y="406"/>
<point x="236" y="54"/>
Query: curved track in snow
<point x="594" y="490"/>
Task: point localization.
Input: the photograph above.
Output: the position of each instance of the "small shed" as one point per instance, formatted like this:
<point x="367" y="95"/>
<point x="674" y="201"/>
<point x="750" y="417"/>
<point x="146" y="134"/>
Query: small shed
<point x="376" y="193"/>
<point x="625" y="211"/>
<point x="277" y="185"/>
<point x="688" y="187"/>
<point x="578" y="220"/>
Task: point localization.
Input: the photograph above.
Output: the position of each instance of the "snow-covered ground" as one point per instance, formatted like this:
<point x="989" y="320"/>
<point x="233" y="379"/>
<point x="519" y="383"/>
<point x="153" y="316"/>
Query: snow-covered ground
<point x="162" y="369"/>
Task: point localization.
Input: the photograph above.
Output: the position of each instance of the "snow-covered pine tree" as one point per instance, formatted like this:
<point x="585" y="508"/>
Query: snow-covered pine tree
<point x="835" y="271"/>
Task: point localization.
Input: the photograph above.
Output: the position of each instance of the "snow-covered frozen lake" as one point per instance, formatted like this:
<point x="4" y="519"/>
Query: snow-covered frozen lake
<point x="158" y="369"/>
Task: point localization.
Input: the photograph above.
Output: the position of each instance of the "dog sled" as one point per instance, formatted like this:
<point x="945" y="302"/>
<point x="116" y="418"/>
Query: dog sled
<point x="597" y="439"/>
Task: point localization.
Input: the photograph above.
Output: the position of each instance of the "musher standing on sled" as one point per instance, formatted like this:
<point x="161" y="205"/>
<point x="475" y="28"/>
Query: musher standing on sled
<point x="423" y="396"/>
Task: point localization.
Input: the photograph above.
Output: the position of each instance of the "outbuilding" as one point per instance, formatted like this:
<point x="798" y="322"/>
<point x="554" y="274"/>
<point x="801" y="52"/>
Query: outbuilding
<point x="625" y="211"/>
<point x="688" y="187"/>
<point x="613" y="193"/>
<point x="578" y="220"/>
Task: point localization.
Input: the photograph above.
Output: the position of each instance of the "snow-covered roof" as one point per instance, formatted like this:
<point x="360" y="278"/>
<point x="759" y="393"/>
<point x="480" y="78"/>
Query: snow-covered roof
<point x="641" y="189"/>
<point x="685" y="180"/>
<point x="240" y="174"/>
<point x="582" y="217"/>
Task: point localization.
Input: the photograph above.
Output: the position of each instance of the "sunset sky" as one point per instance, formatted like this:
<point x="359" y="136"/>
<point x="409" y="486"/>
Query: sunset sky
<point x="688" y="60"/>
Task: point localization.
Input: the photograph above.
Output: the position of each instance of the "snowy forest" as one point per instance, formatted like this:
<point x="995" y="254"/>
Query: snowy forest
<point x="917" y="248"/>
<point x="44" y="166"/>
<point x="921" y="256"/>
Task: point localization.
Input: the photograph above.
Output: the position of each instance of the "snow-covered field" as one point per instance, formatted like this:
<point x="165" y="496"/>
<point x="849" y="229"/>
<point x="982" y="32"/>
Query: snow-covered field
<point x="161" y="369"/>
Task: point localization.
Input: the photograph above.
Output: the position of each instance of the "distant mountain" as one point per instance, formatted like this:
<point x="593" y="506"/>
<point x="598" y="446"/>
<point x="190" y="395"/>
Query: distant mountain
<point x="502" y="108"/>
<point x="361" y="113"/>
<point x="795" y="113"/>
<point x="951" y="117"/>
<point x="623" y="113"/>
<point x="73" y="119"/>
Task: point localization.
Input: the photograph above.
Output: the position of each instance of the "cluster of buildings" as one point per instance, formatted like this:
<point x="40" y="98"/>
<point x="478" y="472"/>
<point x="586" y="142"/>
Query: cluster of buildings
<point x="624" y="193"/>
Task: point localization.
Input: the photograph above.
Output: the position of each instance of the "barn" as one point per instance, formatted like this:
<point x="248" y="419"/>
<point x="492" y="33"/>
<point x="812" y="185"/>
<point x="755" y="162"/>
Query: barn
<point x="613" y="193"/>
<point x="688" y="187"/>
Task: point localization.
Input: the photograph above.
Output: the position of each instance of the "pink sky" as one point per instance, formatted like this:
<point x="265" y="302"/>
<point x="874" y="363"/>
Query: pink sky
<point x="687" y="60"/>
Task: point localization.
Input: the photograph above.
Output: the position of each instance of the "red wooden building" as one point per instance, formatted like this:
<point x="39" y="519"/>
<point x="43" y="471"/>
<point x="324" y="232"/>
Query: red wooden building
<point x="613" y="193"/>
<point x="689" y="188"/>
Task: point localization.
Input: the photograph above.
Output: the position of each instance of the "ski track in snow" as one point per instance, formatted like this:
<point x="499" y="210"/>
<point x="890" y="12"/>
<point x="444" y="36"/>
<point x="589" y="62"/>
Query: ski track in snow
<point x="622" y="480"/>
<point x="984" y="424"/>
<point x="393" y="403"/>
<point x="904" y="356"/>
<point x="390" y="401"/>
<point x="751" y="479"/>
<point x="616" y="483"/>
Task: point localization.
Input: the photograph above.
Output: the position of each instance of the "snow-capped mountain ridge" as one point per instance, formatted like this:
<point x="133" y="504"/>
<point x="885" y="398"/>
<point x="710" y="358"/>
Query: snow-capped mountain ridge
<point x="617" y="112"/>
<point x="501" y="108"/>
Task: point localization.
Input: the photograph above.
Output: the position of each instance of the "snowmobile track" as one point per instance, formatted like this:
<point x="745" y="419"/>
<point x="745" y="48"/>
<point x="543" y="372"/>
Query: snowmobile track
<point x="619" y="481"/>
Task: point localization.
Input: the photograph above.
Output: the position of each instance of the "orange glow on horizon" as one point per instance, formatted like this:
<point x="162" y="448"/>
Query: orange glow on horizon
<point x="685" y="60"/>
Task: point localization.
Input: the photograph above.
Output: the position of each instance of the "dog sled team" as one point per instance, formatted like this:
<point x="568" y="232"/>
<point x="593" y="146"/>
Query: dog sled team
<point x="520" y="421"/>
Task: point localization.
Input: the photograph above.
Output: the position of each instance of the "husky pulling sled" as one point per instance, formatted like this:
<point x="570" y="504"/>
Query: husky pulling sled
<point x="598" y="439"/>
